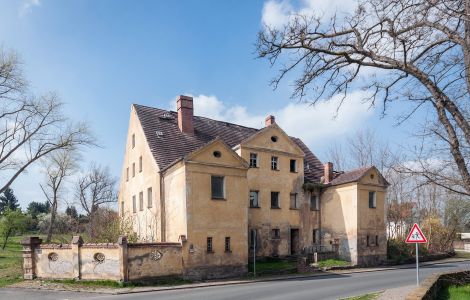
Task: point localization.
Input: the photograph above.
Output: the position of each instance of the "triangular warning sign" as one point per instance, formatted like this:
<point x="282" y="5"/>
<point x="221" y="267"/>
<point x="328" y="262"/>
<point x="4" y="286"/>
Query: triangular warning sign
<point x="416" y="235"/>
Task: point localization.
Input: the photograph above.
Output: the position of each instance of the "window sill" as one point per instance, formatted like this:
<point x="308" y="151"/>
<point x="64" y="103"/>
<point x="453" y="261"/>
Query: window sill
<point x="294" y="172"/>
<point x="219" y="199"/>
<point x="277" y="170"/>
<point x="254" y="167"/>
<point x="294" y="208"/>
<point x="210" y="252"/>
<point x="274" y="207"/>
<point x="314" y="209"/>
<point x="255" y="207"/>
<point x="373" y="207"/>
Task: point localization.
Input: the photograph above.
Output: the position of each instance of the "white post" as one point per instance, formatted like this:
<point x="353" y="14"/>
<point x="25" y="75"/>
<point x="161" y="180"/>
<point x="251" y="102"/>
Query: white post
<point x="254" y="255"/>
<point x="417" y="265"/>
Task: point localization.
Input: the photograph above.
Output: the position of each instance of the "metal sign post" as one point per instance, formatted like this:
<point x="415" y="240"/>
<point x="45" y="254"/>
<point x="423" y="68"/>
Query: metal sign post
<point x="416" y="236"/>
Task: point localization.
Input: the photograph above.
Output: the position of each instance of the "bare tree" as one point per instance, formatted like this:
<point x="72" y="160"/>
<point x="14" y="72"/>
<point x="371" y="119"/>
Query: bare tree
<point x="31" y="127"/>
<point x="95" y="188"/>
<point x="59" y="166"/>
<point x="419" y="50"/>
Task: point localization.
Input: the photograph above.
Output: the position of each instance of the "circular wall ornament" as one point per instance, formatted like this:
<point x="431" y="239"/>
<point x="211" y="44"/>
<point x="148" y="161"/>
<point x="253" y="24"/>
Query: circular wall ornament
<point x="53" y="256"/>
<point x="99" y="257"/>
<point x="155" y="255"/>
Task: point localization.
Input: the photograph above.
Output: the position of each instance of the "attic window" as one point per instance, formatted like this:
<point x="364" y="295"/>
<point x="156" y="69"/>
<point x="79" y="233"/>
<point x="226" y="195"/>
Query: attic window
<point x="274" y="138"/>
<point x="217" y="154"/>
<point x="371" y="176"/>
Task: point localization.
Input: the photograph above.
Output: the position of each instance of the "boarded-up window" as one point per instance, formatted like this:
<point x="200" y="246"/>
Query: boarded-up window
<point x="217" y="187"/>
<point x="274" y="199"/>
<point x="149" y="198"/>
<point x="293" y="201"/>
<point x="254" y="199"/>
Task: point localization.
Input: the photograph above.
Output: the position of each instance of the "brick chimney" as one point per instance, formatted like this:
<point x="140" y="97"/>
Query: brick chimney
<point x="184" y="106"/>
<point x="328" y="172"/>
<point x="269" y="120"/>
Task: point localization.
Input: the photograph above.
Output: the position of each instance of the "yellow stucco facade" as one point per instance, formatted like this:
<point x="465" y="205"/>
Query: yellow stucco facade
<point x="260" y="201"/>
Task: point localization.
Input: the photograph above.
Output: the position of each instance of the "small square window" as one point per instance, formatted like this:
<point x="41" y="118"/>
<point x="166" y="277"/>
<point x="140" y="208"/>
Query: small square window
<point x="293" y="201"/>
<point x="276" y="233"/>
<point x="293" y="165"/>
<point x="140" y="164"/>
<point x="314" y="202"/>
<point x="275" y="200"/>
<point x="134" y="204"/>
<point x="149" y="198"/>
<point x="274" y="163"/>
<point x="254" y="196"/>
<point x="209" y="245"/>
<point x="227" y="244"/>
<point x="372" y="200"/>
<point x="217" y="187"/>
<point x="253" y="160"/>
<point x="141" y="201"/>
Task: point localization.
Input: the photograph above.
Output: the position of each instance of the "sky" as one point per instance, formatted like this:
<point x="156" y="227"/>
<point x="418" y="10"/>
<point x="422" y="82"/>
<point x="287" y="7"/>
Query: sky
<point x="102" y="56"/>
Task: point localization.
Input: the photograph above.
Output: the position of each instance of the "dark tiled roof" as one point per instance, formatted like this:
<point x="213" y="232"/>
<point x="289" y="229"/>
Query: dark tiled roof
<point x="168" y="144"/>
<point x="350" y="176"/>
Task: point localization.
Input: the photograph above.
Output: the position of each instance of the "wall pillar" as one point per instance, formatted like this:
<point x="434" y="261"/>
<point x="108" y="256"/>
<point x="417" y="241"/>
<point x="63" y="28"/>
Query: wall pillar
<point x="29" y="263"/>
<point x="77" y="243"/>
<point x="122" y="242"/>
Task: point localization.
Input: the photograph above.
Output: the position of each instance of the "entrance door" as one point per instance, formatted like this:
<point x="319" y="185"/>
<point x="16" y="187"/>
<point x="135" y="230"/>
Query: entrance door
<point x="294" y="241"/>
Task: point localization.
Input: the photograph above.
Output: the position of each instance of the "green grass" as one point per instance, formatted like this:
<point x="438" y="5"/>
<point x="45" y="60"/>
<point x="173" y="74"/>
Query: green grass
<point x="455" y="292"/>
<point x="333" y="263"/>
<point x="10" y="262"/>
<point x="370" y="296"/>
<point x="118" y="284"/>
<point x="462" y="254"/>
<point x="271" y="265"/>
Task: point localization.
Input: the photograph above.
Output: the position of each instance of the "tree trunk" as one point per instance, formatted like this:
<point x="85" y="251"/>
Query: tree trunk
<point x="53" y="216"/>
<point x="466" y="47"/>
<point x="6" y="239"/>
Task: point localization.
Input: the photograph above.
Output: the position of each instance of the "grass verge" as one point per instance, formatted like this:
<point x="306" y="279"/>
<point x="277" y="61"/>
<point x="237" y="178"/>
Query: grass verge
<point x="333" y="263"/>
<point x="10" y="262"/>
<point x="455" y="292"/>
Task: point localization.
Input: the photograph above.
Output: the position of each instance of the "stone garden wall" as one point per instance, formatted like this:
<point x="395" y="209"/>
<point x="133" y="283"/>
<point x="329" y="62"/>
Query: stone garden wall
<point x="105" y="261"/>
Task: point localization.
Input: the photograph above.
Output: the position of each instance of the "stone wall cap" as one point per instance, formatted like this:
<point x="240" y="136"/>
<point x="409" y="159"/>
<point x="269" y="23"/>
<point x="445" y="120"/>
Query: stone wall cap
<point x="77" y="240"/>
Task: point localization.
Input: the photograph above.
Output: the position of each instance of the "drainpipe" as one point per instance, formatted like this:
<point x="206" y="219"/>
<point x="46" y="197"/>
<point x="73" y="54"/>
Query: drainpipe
<point x="162" y="208"/>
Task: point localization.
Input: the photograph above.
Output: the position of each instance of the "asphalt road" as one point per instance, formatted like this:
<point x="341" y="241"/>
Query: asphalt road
<point x="333" y="286"/>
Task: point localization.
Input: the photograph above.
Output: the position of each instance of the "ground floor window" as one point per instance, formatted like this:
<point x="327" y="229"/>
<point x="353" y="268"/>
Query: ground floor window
<point x="209" y="244"/>
<point x="276" y="233"/>
<point x="227" y="244"/>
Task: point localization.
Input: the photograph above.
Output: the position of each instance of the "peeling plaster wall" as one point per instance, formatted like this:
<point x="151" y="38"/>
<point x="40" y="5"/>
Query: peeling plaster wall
<point x="62" y="268"/>
<point x="93" y="269"/>
<point x="154" y="260"/>
<point x="146" y="222"/>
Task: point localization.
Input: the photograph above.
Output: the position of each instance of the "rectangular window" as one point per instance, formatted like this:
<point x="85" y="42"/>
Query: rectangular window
<point x="254" y="199"/>
<point x="133" y="141"/>
<point x="367" y="241"/>
<point x="122" y="208"/>
<point x="133" y="169"/>
<point x="293" y="165"/>
<point x="134" y="204"/>
<point x="149" y="198"/>
<point x="140" y="164"/>
<point x="127" y="174"/>
<point x="314" y="202"/>
<point x="253" y="160"/>
<point x="141" y="201"/>
<point x="293" y="201"/>
<point x="209" y="245"/>
<point x="252" y="237"/>
<point x="276" y="233"/>
<point x="274" y="165"/>
<point x="372" y="200"/>
<point x="376" y="240"/>
<point x="316" y="236"/>
<point x="217" y="187"/>
<point x="274" y="199"/>
<point x="227" y="244"/>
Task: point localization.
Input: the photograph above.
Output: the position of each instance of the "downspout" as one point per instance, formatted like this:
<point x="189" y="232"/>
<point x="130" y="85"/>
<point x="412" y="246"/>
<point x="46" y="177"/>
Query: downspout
<point x="162" y="208"/>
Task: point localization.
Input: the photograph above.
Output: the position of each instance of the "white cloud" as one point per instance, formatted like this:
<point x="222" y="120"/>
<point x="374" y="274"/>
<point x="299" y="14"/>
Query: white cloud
<point x="27" y="7"/>
<point x="277" y="13"/>
<point x="315" y="125"/>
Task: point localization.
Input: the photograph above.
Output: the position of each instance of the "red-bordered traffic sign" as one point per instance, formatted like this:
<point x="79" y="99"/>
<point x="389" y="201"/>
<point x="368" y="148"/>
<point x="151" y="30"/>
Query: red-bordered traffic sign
<point x="416" y="236"/>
